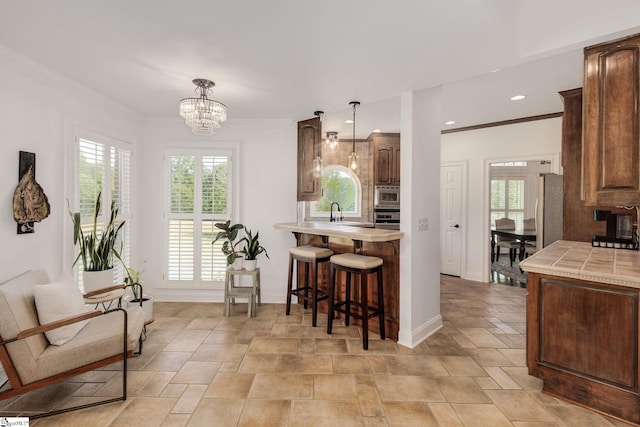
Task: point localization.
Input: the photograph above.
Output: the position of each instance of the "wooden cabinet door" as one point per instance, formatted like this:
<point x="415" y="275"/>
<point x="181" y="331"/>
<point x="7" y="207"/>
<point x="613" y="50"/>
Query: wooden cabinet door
<point x="386" y="158"/>
<point x="611" y="121"/>
<point x="309" y="146"/>
<point x="396" y="164"/>
<point x="384" y="165"/>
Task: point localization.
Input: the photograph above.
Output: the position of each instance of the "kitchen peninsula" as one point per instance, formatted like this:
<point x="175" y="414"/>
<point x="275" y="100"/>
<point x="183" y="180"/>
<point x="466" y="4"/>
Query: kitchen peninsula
<point x="366" y="241"/>
<point x="583" y="325"/>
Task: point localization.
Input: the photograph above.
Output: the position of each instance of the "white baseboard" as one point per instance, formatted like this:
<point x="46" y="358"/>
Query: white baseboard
<point x="476" y="277"/>
<point x="413" y="338"/>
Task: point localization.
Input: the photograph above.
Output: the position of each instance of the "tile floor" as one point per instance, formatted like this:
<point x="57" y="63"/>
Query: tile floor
<point x="202" y="369"/>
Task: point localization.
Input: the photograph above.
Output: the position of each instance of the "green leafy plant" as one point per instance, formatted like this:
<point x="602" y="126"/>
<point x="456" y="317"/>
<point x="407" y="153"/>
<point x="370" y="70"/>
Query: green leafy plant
<point x="97" y="249"/>
<point x="133" y="278"/>
<point x="229" y="236"/>
<point x="252" y="246"/>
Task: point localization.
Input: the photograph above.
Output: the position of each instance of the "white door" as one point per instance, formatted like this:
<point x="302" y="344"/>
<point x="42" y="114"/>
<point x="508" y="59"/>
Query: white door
<point x="450" y="218"/>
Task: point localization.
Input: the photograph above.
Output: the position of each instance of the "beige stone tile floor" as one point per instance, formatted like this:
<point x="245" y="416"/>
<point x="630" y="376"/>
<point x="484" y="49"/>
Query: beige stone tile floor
<point x="199" y="368"/>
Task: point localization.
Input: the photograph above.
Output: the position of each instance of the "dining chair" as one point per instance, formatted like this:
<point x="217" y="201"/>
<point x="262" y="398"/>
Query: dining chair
<point x="507" y="242"/>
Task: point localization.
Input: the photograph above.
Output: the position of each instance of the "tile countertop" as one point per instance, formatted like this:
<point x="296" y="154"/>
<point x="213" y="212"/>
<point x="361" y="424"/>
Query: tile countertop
<point x="579" y="260"/>
<point x="339" y="230"/>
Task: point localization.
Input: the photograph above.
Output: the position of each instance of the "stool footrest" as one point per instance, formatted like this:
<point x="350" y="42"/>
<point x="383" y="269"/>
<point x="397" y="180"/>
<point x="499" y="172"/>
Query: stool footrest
<point x="356" y="310"/>
<point x="299" y="292"/>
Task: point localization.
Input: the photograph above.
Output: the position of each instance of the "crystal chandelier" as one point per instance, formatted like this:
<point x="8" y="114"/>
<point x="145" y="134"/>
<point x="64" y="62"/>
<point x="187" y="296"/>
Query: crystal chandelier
<point x="332" y="140"/>
<point x="203" y="115"/>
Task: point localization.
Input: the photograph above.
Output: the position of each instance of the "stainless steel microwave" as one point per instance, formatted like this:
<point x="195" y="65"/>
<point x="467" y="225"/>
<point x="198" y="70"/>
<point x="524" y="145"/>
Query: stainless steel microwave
<point x="387" y="197"/>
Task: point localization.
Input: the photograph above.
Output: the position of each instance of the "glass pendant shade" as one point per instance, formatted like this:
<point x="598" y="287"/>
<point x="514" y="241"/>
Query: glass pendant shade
<point x="203" y="115"/>
<point x="353" y="158"/>
<point x="353" y="161"/>
<point x="317" y="167"/>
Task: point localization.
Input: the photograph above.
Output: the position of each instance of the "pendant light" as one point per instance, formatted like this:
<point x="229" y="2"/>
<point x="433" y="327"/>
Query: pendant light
<point x="332" y="141"/>
<point x="353" y="158"/>
<point x="317" y="162"/>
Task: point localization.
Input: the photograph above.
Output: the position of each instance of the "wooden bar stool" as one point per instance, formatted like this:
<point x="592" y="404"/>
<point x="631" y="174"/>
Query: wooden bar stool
<point x="310" y="256"/>
<point x="363" y="266"/>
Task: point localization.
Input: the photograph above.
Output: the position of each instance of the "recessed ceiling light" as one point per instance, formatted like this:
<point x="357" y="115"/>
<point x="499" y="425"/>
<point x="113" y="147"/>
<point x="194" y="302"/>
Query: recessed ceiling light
<point x="376" y="130"/>
<point x="450" y="122"/>
<point x="518" y="97"/>
<point x="348" y="121"/>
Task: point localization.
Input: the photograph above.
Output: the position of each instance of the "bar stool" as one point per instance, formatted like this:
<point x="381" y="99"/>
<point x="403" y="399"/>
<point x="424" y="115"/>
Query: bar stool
<point x="310" y="256"/>
<point x="363" y="266"/>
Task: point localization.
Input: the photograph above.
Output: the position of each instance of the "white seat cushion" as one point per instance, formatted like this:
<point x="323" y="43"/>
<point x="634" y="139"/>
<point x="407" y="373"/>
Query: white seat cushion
<point x="310" y="252"/>
<point x="356" y="261"/>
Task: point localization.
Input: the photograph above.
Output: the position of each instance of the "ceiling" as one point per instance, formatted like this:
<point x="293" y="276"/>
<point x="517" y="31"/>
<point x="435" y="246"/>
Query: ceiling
<point x="284" y="59"/>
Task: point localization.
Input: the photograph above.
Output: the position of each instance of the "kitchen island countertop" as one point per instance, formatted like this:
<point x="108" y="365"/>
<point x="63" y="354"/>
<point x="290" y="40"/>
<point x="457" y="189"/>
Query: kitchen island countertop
<point x="579" y="260"/>
<point x="341" y="231"/>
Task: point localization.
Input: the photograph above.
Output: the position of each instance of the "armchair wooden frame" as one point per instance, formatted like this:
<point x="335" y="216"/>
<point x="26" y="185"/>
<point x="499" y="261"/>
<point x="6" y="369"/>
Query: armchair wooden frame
<point x="18" y="387"/>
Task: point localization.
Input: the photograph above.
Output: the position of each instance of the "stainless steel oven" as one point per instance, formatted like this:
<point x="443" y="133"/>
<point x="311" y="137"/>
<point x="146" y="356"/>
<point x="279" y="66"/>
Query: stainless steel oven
<point x="387" y="197"/>
<point x="388" y="219"/>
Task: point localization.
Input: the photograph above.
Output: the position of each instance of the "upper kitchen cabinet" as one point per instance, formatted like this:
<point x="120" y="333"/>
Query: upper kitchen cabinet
<point x="611" y="120"/>
<point x="386" y="158"/>
<point x="309" y="146"/>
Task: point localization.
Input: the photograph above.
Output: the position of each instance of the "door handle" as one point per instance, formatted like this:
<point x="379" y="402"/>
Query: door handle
<point x="456" y="226"/>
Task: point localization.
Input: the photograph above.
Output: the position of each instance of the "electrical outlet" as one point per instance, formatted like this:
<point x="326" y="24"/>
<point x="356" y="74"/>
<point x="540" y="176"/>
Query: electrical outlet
<point x="423" y="224"/>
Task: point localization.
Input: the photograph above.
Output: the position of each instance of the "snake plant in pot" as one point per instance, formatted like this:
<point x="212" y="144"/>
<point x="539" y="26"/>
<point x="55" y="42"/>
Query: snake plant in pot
<point x="252" y="249"/>
<point x="97" y="246"/>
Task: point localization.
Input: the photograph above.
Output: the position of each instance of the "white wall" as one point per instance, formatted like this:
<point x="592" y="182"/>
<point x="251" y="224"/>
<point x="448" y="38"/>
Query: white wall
<point x="540" y="139"/>
<point x="420" y="198"/>
<point x="37" y="111"/>
<point x="266" y="189"/>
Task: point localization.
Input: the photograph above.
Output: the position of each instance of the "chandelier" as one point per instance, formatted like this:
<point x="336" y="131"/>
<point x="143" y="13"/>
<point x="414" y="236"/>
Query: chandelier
<point x="332" y="140"/>
<point x="202" y="115"/>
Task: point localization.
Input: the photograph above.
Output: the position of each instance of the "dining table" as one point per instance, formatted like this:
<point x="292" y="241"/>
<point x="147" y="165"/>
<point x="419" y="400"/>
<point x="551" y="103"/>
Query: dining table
<point x="520" y="234"/>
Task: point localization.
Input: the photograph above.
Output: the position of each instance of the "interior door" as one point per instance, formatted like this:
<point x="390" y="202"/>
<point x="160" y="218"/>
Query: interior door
<point x="450" y="219"/>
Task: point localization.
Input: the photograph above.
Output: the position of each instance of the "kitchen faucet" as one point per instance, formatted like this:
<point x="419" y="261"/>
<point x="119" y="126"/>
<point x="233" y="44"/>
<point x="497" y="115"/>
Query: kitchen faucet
<point x="331" y="218"/>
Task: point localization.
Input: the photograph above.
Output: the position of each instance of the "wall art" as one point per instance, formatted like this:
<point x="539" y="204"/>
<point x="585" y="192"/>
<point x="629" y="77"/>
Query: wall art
<point x="30" y="204"/>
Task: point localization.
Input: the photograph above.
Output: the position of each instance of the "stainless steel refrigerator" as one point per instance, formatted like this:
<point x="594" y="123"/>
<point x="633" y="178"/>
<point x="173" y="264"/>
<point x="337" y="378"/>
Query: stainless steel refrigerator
<point x="549" y="209"/>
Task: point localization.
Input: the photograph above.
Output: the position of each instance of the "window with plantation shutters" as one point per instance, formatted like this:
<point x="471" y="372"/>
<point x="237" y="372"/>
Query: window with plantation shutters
<point x="198" y="195"/>
<point x="103" y="165"/>
<point x="508" y="199"/>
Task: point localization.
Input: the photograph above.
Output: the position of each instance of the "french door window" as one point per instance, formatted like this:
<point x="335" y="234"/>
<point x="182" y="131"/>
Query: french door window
<point x="198" y="195"/>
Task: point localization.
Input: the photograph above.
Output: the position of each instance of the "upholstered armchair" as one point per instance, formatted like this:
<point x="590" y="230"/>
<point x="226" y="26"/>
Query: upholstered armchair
<point x="35" y="353"/>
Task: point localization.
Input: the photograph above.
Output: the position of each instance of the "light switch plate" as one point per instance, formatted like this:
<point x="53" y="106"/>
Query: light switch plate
<point x="423" y="224"/>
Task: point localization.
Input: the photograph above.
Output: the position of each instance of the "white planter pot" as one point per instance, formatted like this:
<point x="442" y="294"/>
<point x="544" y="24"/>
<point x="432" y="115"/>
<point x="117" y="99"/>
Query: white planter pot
<point x="237" y="264"/>
<point x="250" y="264"/>
<point x="93" y="280"/>
<point x="147" y="306"/>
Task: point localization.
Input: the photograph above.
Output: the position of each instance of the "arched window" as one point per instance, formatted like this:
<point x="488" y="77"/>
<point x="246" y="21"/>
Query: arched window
<point x="339" y="184"/>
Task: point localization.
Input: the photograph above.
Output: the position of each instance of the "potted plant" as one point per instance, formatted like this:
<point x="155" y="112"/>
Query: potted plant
<point x="228" y="234"/>
<point x="139" y="298"/>
<point x="252" y="249"/>
<point x="97" y="248"/>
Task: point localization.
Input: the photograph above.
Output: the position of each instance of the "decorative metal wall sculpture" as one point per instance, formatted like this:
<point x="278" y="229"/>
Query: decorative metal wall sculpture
<point x="30" y="204"/>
